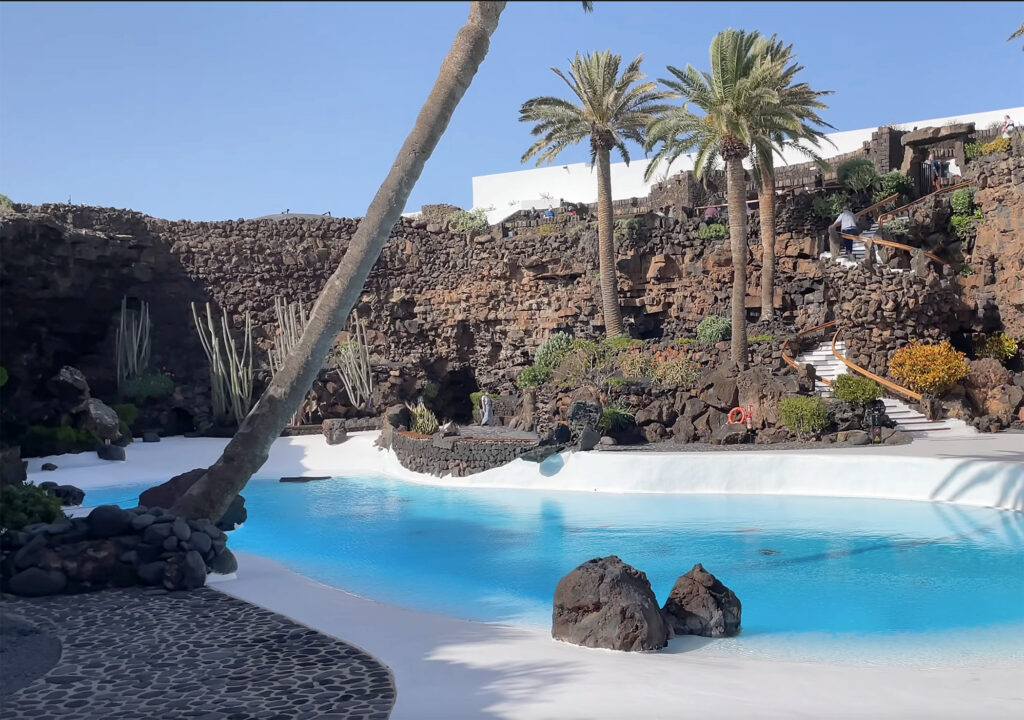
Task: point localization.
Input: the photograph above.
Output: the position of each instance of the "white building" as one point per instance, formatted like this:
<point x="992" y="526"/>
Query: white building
<point x="502" y="194"/>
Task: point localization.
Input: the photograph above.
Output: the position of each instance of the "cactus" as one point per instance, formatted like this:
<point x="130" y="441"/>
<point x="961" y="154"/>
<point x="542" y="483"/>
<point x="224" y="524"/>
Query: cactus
<point x="230" y="371"/>
<point x="291" y="321"/>
<point x="352" y="361"/>
<point x="132" y="342"/>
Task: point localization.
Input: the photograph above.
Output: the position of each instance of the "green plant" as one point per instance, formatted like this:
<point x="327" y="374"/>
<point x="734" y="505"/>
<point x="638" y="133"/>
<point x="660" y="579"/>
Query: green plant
<point x="131" y="341"/>
<point x="292" y="319"/>
<point x="636" y="364"/>
<point x="617" y="382"/>
<point x="966" y="270"/>
<point x="685" y="341"/>
<point x="430" y="390"/>
<point x="676" y="372"/>
<point x="230" y="369"/>
<point x="582" y="363"/>
<point x="6" y="206"/>
<point x="857" y="174"/>
<point x="897" y="225"/>
<point x="553" y="350"/>
<point x="127" y="412"/>
<point x="3" y="376"/>
<point x="352" y="362"/>
<point x="424" y="421"/>
<point x="929" y="368"/>
<point x="997" y="345"/>
<point x="153" y="385"/>
<point x="533" y="376"/>
<point x="960" y="225"/>
<point x="1000" y="144"/>
<point x="856" y="389"/>
<point x="962" y="200"/>
<point x="616" y="416"/>
<point x="893" y="183"/>
<point x="622" y="342"/>
<point x="22" y="505"/>
<point x="713" y="329"/>
<point x="765" y="337"/>
<point x="803" y="414"/>
<point x="713" y="231"/>
<point x="972" y="150"/>
<point x="41" y="440"/>
<point x="828" y="207"/>
<point x="626" y="230"/>
<point x="466" y="220"/>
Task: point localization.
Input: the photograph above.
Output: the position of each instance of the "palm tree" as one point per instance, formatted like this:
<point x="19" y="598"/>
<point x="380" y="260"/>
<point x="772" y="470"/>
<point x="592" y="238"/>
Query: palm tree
<point x="737" y="101"/>
<point x="799" y="103"/>
<point x="246" y="452"/>
<point x="612" y="108"/>
<point x="1018" y="33"/>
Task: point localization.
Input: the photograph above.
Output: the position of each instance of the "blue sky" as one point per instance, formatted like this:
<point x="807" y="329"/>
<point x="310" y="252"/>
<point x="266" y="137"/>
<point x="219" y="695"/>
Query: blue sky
<point x="210" y="111"/>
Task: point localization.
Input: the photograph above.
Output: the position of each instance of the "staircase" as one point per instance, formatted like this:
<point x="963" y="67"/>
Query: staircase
<point x="859" y="249"/>
<point x="828" y="366"/>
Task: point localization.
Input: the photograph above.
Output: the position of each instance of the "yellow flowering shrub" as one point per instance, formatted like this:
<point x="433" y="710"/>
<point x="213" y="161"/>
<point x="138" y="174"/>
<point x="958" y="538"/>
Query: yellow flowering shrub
<point x="1000" y="144"/>
<point x="930" y="369"/>
<point x="998" y="345"/>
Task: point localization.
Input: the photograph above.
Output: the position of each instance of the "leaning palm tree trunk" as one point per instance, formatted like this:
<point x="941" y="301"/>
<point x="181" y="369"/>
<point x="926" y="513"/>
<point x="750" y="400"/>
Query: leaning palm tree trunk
<point x="606" y="246"/>
<point x="766" y="203"/>
<point x="737" y="192"/>
<point x="250" y="446"/>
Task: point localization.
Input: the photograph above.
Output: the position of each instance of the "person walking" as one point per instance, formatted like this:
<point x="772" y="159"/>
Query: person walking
<point x="1008" y="127"/>
<point x="847" y="224"/>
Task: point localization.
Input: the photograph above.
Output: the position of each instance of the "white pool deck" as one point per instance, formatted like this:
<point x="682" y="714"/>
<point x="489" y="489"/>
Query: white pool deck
<point x="454" y="669"/>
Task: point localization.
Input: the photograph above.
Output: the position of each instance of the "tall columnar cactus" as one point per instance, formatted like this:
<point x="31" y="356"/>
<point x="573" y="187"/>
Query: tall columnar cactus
<point x="352" y="360"/>
<point x="230" y="370"/>
<point x="291" y="321"/>
<point x="132" y="342"/>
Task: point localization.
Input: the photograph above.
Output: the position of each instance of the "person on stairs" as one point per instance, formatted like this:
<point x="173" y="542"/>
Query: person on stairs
<point x="847" y="224"/>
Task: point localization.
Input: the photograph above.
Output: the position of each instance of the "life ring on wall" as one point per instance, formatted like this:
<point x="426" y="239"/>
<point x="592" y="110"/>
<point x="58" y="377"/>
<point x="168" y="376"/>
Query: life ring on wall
<point x="738" y="416"/>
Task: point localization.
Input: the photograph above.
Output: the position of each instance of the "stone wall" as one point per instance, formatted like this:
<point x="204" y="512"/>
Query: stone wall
<point x="453" y="455"/>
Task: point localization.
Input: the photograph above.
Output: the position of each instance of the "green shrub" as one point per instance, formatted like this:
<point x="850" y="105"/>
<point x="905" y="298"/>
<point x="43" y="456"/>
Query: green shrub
<point x="856" y="389"/>
<point x="966" y="270"/>
<point x="22" y="505"/>
<point x="533" y="376"/>
<point x="858" y="174"/>
<point x="765" y="337"/>
<point x="626" y="229"/>
<point x="584" y="360"/>
<point x="685" y="341"/>
<point x="713" y="329"/>
<point x="1000" y="144"/>
<point x="972" y="150"/>
<point x="40" y="441"/>
<point x="960" y="225"/>
<point x="622" y="342"/>
<point x="553" y="350"/>
<point x="962" y="201"/>
<point x="677" y="372"/>
<point x="804" y="415"/>
<point x="617" y="382"/>
<point x="616" y="416"/>
<point x="828" y="207"/>
<point x="893" y="183"/>
<point x="897" y="225"/>
<point x="153" y="385"/>
<point x="127" y="412"/>
<point x="3" y="376"/>
<point x="466" y="220"/>
<point x="430" y="390"/>
<point x="6" y="205"/>
<point x="423" y="420"/>
<point x="929" y="368"/>
<point x="713" y="231"/>
<point x="998" y="345"/>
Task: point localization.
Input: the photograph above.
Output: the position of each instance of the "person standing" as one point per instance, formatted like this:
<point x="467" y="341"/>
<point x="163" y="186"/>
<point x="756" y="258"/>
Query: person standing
<point x="1008" y="127"/>
<point x="486" y="409"/>
<point x="847" y="224"/>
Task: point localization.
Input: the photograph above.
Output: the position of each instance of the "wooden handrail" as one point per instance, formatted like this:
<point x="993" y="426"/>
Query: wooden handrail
<point x="885" y="216"/>
<point x="898" y="246"/>
<point x="878" y="204"/>
<point x="867" y="373"/>
<point x="792" y="363"/>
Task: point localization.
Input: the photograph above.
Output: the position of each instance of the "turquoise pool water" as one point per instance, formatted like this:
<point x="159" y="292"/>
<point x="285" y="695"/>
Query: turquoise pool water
<point x="805" y="569"/>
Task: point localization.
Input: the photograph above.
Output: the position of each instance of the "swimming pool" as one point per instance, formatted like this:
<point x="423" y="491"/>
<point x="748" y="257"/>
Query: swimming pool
<point x="816" y="576"/>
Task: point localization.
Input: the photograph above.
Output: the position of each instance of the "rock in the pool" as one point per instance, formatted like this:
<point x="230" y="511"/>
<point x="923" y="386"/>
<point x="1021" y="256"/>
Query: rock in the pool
<point x="605" y="603"/>
<point x="700" y="604"/>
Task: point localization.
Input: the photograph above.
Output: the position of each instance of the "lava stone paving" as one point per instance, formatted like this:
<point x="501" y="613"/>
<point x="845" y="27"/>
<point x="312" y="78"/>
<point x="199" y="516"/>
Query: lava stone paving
<point x="201" y="655"/>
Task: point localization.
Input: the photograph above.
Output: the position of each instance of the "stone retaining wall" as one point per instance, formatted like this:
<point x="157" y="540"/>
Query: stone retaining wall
<point x="455" y="456"/>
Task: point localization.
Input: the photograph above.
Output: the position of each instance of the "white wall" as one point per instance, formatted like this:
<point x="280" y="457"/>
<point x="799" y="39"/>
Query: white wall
<point x="502" y="194"/>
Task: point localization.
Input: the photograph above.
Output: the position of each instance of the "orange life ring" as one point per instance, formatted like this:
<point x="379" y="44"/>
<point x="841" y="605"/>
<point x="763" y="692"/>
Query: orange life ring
<point x="740" y="418"/>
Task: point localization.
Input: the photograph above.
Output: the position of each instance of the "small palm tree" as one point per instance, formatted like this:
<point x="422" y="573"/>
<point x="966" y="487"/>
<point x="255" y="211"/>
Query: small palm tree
<point x="611" y="109"/>
<point x="738" y="103"/>
<point x="1018" y="33"/>
<point x="799" y="104"/>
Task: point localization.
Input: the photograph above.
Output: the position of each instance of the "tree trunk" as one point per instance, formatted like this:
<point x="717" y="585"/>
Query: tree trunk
<point x="767" y="210"/>
<point x="248" y="449"/>
<point x="737" y="191"/>
<point x="606" y="246"/>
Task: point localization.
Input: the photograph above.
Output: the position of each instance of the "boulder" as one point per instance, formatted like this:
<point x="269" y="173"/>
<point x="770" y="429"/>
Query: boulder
<point x="224" y="562"/>
<point x="730" y="435"/>
<point x="166" y="494"/>
<point x="541" y="453"/>
<point x="100" y="419"/>
<point x="234" y="516"/>
<point x="761" y="390"/>
<point x="152" y="573"/>
<point x="194" y="567"/>
<point x="109" y="521"/>
<point x="47" y="467"/>
<point x="700" y="604"/>
<point x="560" y="435"/>
<point x="150" y="437"/>
<point x="111" y="452"/>
<point x="719" y="387"/>
<point x="589" y="439"/>
<point x="69" y="495"/>
<point x="398" y="417"/>
<point x="853" y="437"/>
<point x="605" y="603"/>
<point x="13" y="470"/>
<point x="334" y="431"/>
<point x="69" y="387"/>
<point x="36" y="582"/>
<point x="583" y="414"/>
